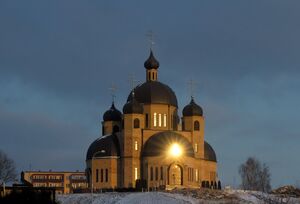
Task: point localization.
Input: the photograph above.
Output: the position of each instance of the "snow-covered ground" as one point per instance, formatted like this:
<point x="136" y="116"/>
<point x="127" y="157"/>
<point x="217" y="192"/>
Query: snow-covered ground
<point x="162" y="198"/>
<point x="124" y="198"/>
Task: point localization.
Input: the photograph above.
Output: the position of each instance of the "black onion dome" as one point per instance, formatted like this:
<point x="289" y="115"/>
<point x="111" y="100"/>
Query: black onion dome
<point x="133" y="106"/>
<point x="154" y="92"/>
<point x="192" y="109"/>
<point x="112" y="114"/>
<point x="209" y="153"/>
<point x="105" y="146"/>
<point x="158" y="144"/>
<point x="151" y="62"/>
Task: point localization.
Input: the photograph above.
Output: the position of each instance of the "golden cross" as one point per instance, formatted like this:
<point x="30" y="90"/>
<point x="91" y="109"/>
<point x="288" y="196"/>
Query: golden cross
<point x="132" y="81"/>
<point x="150" y="36"/>
<point x="113" y="89"/>
<point x="192" y="86"/>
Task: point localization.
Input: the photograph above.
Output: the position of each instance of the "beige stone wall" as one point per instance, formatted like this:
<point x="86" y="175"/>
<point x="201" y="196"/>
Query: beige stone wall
<point x="194" y="170"/>
<point x="108" y="126"/>
<point x="162" y="109"/>
<point x="111" y="164"/>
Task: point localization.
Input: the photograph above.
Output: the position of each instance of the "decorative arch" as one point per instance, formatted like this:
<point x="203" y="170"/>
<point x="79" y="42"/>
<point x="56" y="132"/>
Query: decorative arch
<point x="196" y="125"/>
<point x="175" y="174"/>
<point x="136" y="123"/>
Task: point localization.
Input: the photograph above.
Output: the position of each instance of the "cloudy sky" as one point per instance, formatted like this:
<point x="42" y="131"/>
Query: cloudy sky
<point x="59" y="58"/>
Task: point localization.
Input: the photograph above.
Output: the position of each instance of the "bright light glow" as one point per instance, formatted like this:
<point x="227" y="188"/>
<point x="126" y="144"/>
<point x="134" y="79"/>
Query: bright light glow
<point x="175" y="150"/>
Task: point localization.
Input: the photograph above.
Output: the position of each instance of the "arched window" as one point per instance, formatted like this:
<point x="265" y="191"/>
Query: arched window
<point x="154" y="119"/>
<point x="116" y="129"/>
<point x="149" y="75"/>
<point x="135" y="145"/>
<point x="136" y="123"/>
<point x="196" y="125"/>
<point x="152" y="75"/>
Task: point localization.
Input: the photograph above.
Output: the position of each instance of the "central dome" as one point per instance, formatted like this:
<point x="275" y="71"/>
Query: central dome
<point x="154" y="92"/>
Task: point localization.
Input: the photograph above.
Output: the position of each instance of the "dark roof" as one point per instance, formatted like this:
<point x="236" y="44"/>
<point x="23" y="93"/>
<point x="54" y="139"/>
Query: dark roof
<point x="154" y="92"/>
<point x="209" y="153"/>
<point x="158" y="144"/>
<point x="112" y="114"/>
<point x="107" y="145"/>
<point x="133" y="106"/>
<point x="151" y="62"/>
<point x="192" y="109"/>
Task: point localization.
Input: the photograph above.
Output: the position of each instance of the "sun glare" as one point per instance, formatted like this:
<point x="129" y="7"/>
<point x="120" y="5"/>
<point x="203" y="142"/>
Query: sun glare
<point x="175" y="150"/>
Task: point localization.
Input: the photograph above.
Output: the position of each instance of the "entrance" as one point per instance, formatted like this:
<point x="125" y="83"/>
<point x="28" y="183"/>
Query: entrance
<point x="175" y="175"/>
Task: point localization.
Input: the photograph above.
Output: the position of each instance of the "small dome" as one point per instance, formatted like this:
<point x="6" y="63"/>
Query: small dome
<point x="133" y="106"/>
<point x="192" y="109"/>
<point x="154" y="92"/>
<point x="112" y="114"/>
<point x="209" y="153"/>
<point x="104" y="146"/>
<point x="151" y="62"/>
<point x="156" y="145"/>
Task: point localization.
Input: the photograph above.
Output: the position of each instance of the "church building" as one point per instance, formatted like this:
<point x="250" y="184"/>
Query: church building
<point x="149" y="144"/>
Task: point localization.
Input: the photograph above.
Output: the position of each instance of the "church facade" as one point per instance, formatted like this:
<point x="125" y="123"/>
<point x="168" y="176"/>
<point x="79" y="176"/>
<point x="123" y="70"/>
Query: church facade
<point x="149" y="144"/>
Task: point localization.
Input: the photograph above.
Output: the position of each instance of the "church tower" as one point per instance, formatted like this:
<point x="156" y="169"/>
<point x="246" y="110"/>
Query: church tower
<point x="193" y="121"/>
<point x="132" y="141"/>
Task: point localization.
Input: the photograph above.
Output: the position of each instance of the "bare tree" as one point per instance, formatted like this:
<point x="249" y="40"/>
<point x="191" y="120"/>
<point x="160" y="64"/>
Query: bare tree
<point x="7" y="169"/>
<point x="255" y="176"/>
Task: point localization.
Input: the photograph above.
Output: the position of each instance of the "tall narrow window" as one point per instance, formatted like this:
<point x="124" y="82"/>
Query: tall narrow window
<point x="196" y="175"/>
<point x="171" y="121"/>
<point x="159" y="120"/>
<point x="97" y="175"/>
<point x="135" y="145"/>
<point x="161" y="173"/>
<point x="149" y="75"/>
<point x="154" y="119"/>
<point x="152" y="75"/>
<point x="165" y="120"/>
<point x="101" y="175"/>
<point x="146" y="120"/>
<point x="196" y="147"/>
<point x="196" y="125"/>
<point x="106" y="175"/>
<point x="135" y="173"/>
<point x="156" y="173"/>
<point x="151" y="173"/>
<point x="136" y="123"/>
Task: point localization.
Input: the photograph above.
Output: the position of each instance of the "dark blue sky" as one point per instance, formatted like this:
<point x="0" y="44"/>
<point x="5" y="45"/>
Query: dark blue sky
<point x="59" y="58"/>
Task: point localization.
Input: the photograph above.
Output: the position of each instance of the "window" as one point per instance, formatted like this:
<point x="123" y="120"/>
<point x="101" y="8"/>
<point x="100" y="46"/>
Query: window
<point x="165" y="120"/>
<point x="159" y="120"/>
<point x="171" y="121"/>
<point x="196" y="147"/>
<point x="196" y="175"/>
<point x="101" y="175"/>
<point x="97" y="175"/>
<point x="161" y="173"/>
<point x="135" y="145"/>
<point x="106" y="175"/>
<point x="196" y="125"/>
<point x="151" y="173"/>
<point x="152" y="75"/>
<point x="147" y="120"/>
<point x="116" y="129"/>
<point x="149" y="75"/>
<point x="154" y="119"/>
<point x="156" y="173"/>
<point x="136" y="123"/>
<point x="135" y="173"/>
